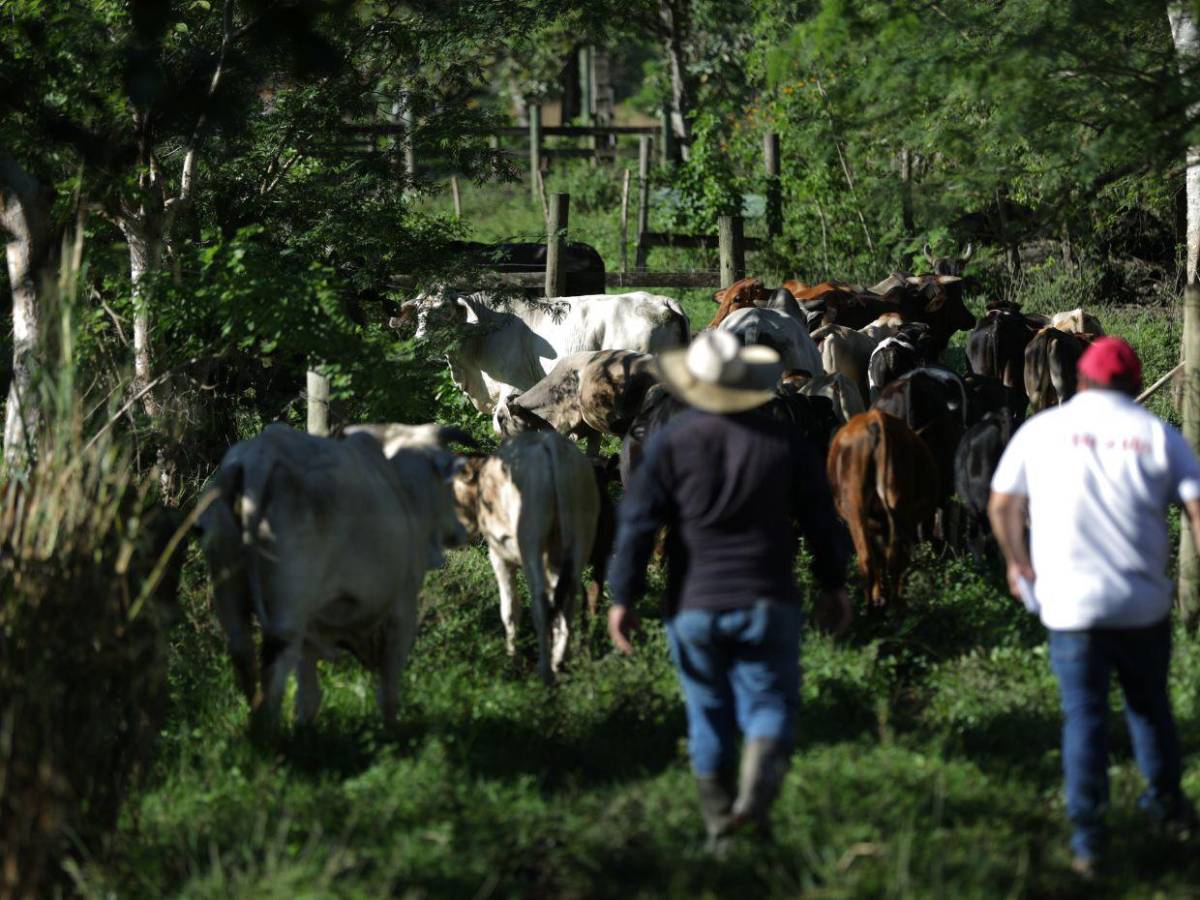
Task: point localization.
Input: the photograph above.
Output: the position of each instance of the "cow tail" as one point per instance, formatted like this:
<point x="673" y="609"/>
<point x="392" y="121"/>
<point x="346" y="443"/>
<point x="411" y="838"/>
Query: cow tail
<point x="255" y="496"/>
<point x="568" y="576"/>
<point x="879" y="458"/>
<point x="221" y="535"/>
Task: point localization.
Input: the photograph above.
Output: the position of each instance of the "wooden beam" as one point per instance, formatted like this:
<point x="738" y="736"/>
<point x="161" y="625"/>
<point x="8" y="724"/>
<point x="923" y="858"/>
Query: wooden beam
<point x="625" y="222"/>
<point x="732" y="249"/>
<point x="774" y="185"/>
<point x="317" y="396"/>
<point x="643" y="211"/>
<point x="556" y="241"/>
<point x="1154" y="388"/>
<point x="535" y="148"/>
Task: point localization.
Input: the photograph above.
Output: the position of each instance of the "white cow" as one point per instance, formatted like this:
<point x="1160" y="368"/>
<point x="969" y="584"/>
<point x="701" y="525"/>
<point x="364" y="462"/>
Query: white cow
<point x="536" y="503"/>
<point x="501" y="350"/>
<point x="325" y="542"/>
<point x="1076" y="321"/>
<point x="777" y="330"/>
<point x="841" y="391"/>
<point x="845" y="350"/>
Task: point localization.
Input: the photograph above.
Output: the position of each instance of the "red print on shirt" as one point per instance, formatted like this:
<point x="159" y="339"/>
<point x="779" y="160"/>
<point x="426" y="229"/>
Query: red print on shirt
<point x="1131" y="444"/>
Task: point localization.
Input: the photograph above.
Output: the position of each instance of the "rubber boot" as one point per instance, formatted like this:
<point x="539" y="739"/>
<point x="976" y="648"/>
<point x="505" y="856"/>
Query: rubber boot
<point x="716" y="805"/>
<point x="764" y="764"/>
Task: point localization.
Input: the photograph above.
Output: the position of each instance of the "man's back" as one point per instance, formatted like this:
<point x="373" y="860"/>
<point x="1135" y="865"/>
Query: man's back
<point x="735" y="487"/>
<point x="1100" y="472"/>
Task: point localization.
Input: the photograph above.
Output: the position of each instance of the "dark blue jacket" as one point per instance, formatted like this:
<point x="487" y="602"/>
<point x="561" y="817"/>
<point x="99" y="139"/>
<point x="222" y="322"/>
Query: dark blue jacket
<point x="733" y="490"/>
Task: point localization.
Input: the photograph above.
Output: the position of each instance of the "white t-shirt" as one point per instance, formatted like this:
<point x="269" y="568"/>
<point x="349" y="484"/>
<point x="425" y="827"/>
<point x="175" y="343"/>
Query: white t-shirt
<point x="1100" y="473"/>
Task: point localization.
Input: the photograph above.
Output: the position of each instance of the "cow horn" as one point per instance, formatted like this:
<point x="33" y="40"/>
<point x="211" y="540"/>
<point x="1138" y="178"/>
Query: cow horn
<point x="928" y="253"/>
<point x="452" y="433"/>
<point x="966" y="254"/>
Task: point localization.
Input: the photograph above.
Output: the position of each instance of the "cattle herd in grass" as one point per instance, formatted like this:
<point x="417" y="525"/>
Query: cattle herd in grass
<point x="326" y="541"/>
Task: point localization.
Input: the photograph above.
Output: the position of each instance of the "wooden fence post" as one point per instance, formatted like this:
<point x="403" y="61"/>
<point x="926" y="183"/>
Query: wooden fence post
<point x="535" y="148"/>
<point x="457" y="197"/>
<point x="774" y="185"/>
<point x="556" y="239"/>
<point x="1189" y="564"/>
<point x="625" y="221"/>
<point x="317" y="390"/>
<point x="585" y="85"/>
<point x="732" y="249"/>
<point x="643" y="213"/>
<point x="670" y="146"/>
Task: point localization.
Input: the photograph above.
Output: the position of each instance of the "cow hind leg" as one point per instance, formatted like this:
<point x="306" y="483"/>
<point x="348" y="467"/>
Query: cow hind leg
<point x="540" y="607"/>
<point x="565" y="588"/>
<point x="280" y="655"/>
<point x="308" y="688"/>
<point x="400" y="631"/>
<point x="510" y="603"/>
<point x="232" y="606"/>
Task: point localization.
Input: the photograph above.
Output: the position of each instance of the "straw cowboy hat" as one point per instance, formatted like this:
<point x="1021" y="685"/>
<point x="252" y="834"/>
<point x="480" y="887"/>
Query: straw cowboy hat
<point x="717" y="374"/>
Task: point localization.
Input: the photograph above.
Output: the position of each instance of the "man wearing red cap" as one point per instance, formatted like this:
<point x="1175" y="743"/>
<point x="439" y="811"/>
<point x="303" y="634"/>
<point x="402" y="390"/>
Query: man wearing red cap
<point x="1096" y="476"/>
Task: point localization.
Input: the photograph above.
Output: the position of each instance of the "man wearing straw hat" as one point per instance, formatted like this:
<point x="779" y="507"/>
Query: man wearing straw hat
<point x="728" y="484"/>
<point x="1096" y="476"/>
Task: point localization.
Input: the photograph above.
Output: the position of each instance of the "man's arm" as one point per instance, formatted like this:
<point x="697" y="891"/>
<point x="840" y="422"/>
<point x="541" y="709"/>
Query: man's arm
<point x="645" y="508"/>
<point x="1007" y="515"/>
<point x="1192" y="508"/>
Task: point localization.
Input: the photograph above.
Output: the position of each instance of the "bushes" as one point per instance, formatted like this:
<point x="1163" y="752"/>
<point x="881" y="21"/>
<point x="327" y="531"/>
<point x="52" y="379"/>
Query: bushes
<point x="82" y="665"/>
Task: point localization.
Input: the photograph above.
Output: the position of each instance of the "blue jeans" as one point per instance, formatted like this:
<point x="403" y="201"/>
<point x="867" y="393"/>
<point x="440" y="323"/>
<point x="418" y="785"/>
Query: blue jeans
<point x="1084" y="661"/>
<point x="739" y="670"/>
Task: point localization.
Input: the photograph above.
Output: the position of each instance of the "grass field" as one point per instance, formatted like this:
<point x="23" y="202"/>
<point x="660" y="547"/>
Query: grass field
<point x="928" y="761"/>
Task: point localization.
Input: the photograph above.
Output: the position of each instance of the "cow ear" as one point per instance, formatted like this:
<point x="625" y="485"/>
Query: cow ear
<point x="408" y="312"/>
<point x="467" y="313"/>
<point x="531" y="419"/>
<point x="719" y="296"/>
<point x="452" y="433"/>
<point x="447" y="465"/>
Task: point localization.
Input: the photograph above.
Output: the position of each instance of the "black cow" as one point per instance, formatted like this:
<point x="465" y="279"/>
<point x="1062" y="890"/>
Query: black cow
<point x="585" y="267"/>
<point x="947" y="265"/>
<point x="932" y="401"/>
<point x="975" y="463"/>
<point x="910" y="348"/>
<point x="996" y="348"/>
<point x="810" y="417"/>
<point x="1050" y="361"/>
<point x="936" y="300"/>
<point x="987" y="395"/>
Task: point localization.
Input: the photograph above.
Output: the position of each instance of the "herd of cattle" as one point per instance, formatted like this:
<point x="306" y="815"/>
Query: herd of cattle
<point x="326" y="541"/>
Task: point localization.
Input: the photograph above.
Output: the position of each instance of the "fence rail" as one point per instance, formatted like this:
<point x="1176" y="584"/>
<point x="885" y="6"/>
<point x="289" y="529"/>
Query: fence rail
<point x="537" y="279"/>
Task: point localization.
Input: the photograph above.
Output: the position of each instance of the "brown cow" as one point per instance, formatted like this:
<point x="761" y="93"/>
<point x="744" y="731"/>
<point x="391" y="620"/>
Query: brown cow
<point x="739" y="295"/>
<point x="1050" y="361"/>
<point x="884" y="484"/>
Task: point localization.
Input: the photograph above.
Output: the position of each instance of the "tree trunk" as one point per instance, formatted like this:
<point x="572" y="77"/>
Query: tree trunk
<point x="145" y="255"/>
<point x="906" y="193"/>
<point x="25" y="218"/>
<point x="673" y="15"/>
<point x="1186" y="37"/>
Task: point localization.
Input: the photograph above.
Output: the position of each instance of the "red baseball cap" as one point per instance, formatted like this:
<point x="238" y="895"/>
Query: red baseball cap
<point x="1110" y="358"/>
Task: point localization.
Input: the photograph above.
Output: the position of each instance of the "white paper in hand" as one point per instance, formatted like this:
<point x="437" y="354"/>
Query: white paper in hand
<point x="1025" y="588"/>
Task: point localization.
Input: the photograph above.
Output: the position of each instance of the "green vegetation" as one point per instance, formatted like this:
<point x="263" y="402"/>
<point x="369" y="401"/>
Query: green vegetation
<point x="927" y="766"/>
<point x="1051" y="135"/>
